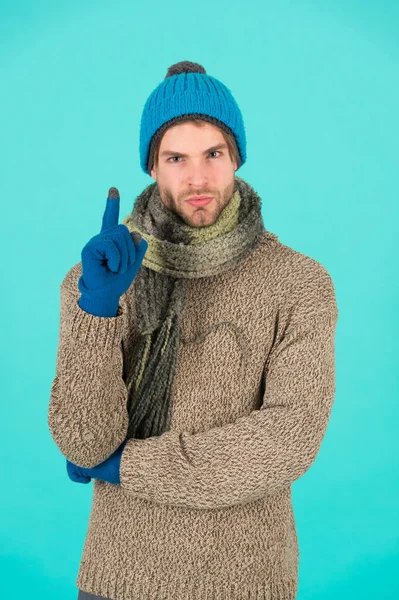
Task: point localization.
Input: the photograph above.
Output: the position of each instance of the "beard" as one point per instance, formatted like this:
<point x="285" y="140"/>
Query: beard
<point x="198" y="216"/>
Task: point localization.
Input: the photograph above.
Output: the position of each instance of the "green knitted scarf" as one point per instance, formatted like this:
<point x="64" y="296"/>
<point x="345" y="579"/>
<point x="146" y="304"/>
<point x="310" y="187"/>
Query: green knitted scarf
<point x="176" y="253"/>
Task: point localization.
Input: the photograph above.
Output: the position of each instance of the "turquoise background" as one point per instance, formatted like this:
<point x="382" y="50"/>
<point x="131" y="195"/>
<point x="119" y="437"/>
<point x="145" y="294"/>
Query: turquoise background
<point x="318" y="85"/>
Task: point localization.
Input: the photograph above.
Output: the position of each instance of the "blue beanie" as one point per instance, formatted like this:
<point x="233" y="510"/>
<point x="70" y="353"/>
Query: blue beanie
<point x="188" y="92"/>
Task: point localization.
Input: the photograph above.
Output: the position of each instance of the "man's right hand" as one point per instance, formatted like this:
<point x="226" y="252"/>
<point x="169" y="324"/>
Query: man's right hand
<point x="110" y="262"/>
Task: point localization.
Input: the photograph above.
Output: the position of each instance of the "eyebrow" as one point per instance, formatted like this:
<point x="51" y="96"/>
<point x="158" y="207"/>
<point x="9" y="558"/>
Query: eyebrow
<point x="212" y="149"/>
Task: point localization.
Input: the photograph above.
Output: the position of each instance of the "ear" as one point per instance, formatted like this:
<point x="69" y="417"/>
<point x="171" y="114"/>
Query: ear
<point x="153" y="174"/>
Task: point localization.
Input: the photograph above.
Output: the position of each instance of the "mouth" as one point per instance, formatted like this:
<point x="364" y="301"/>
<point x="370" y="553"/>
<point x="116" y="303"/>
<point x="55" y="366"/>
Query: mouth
<point x="199" y="200"/>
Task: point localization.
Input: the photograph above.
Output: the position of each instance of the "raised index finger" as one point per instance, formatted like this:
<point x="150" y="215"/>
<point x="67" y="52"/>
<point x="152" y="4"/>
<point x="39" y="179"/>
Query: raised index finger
<point x="111" y="213"/>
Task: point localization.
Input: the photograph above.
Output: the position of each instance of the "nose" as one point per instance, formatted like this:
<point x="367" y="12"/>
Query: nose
<point x="196" y="175"/>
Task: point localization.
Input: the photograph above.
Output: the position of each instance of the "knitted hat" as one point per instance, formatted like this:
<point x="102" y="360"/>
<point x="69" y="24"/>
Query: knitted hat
<point x="187" y="92"/>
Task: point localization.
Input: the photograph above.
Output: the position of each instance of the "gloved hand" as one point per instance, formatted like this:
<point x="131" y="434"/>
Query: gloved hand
<point x="106" y="471"/>
<point x="110" y="262"/>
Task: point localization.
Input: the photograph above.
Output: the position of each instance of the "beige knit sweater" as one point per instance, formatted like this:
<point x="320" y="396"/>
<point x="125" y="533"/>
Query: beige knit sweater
<point x="203" y="511"/>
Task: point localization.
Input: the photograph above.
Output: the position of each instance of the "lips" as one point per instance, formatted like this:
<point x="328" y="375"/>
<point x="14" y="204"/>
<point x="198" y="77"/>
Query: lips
<point x="199" y="200"/>
<point x="203" y="197"/>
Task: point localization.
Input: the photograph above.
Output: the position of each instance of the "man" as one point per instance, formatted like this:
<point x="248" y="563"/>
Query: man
<point x="201" y="393"/>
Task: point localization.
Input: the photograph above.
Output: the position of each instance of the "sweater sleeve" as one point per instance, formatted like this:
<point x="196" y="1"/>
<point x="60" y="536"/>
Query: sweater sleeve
<point x="87" y="413"/>
<point x="264" y="451"/>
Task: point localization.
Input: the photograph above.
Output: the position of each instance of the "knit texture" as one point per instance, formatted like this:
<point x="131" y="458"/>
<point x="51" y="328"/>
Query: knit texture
<point x="190" y="94"/>
<point x="205" y="509"/>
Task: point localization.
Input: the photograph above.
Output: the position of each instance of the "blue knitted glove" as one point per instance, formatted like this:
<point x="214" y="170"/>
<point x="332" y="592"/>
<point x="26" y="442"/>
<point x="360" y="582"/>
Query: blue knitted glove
<point x="110" y="262"/>
<point x="106" y="471"/>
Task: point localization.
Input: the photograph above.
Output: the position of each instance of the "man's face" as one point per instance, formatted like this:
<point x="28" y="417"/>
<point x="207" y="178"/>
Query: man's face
<point x="189" y="165"/>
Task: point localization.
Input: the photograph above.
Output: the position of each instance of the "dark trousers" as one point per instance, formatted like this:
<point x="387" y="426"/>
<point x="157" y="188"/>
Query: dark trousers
<point x="86" y="596"/>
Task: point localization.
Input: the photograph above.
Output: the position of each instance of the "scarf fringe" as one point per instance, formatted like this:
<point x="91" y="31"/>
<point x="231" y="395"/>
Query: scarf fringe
<point x="149" y="409"/>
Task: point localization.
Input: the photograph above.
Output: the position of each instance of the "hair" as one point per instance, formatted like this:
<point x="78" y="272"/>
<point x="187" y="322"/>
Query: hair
<point x="228" y="137"/>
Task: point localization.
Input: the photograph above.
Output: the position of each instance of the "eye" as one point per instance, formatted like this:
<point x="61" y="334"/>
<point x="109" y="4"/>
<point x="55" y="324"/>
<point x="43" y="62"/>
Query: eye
<point x="172" y="157"/>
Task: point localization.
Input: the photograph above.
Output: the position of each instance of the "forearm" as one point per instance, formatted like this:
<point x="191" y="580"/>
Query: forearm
<point x="87" y="414"/>
<point x="258" y="454"/>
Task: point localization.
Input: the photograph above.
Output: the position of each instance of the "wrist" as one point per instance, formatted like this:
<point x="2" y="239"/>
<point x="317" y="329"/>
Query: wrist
<point x="99" y="307"/>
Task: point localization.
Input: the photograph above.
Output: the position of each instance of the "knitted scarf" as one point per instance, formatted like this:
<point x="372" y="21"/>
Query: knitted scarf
<point x="176" y="253"/>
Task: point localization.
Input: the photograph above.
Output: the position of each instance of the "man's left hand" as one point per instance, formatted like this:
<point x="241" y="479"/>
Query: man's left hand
<point x="106" y="471"/>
